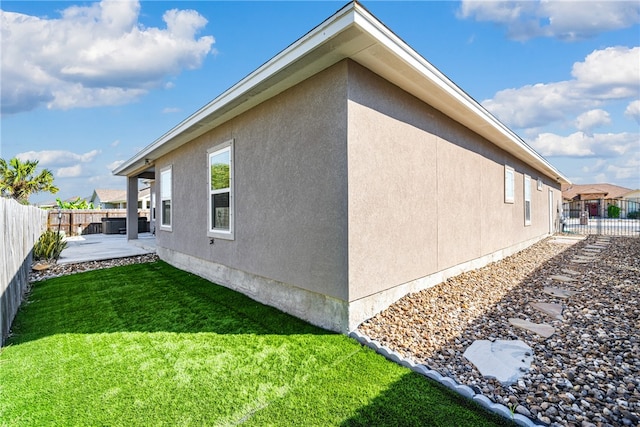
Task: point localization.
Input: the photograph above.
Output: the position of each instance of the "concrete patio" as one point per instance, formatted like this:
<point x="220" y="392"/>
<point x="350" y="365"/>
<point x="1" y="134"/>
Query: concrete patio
<point x="96" y="247"/>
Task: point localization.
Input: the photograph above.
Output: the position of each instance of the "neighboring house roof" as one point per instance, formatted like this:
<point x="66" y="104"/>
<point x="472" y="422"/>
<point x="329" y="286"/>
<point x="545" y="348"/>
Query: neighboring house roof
<point x="353" y="33"/>
<point x="47" y="204"/>
<point x="109" y="196"/>
<point x="145" y="193"/>
<point x="634" y="194"/>
<point x="117" y="196"/>
<point x="593" y="191"/>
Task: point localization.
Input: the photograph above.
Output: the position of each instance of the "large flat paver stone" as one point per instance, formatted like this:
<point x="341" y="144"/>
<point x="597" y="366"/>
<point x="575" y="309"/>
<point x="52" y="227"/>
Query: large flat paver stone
<point x="589" y="257"/>
<point x="566" y="241"/>
<point x="581" y="261"/>
<point x="552" y="309"/>
<point x="504" y="360"/>
<point x="560" y="278"/>
<point x="558" y="292"/>
<point x="541" y="329"/>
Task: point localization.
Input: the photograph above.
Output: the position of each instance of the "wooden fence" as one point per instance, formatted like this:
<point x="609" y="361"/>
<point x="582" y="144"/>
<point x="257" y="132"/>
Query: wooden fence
<point x="20" y="226"/>
<point x="75" y="222"/>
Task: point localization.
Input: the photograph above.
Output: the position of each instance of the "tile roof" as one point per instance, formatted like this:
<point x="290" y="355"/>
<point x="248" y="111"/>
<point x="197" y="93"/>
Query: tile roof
<point x="107" y="196"/>
<point x="609" y="191"/>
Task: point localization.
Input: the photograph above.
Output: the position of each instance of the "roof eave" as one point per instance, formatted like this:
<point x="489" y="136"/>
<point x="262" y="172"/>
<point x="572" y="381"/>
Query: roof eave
<point x="257" y="87"/>
<point x="354" y="33"/>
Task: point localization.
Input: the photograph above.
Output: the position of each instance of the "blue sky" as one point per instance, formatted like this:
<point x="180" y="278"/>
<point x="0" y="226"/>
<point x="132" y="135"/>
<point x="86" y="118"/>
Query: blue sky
<point x="85" y="85"/>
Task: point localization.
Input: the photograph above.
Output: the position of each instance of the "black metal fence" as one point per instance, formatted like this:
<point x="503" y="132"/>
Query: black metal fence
<point x="612" y="217"/>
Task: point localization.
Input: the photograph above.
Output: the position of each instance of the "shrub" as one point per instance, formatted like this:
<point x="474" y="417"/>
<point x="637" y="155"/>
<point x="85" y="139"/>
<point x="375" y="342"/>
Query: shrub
<point x="634" y="215"/>
<point x="78" y="203"/>
<point x="49" y="246"/>
<point x="613" y="211"/>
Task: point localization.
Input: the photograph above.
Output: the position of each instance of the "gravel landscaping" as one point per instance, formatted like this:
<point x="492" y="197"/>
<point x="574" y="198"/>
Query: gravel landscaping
<point x="586" y="373"/>
<point x="56" y="270"/>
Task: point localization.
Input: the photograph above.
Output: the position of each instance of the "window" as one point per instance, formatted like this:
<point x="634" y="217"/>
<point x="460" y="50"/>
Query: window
<point x="527" y="200"/>
<point x="153" y="206"/>
<point x="539" y="184"/>
<point x="509" y="185"/>
<point x="221" y="215"/>
<point x="165" y="198"/>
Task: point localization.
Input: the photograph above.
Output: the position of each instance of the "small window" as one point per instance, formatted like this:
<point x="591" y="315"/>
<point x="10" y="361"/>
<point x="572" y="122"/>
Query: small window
<point x="509" y="185"/>
<point x="220" y="170"/>
<point x="152" y="206"/>
<point x="527" y="200"/>
<point x="539" y="184"/>
<point x="165" y="198"/>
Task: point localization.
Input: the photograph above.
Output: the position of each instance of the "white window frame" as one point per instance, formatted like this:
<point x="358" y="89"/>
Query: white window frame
<point x="527" y="200"/>
<point x="539" y="184"/>
<point x="166" y="174"/>
<point x="220" y="233"/>
<point x="509" y="184"/>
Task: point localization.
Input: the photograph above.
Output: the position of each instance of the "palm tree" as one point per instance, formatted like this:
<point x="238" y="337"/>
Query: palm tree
<point x="18" y="179"/>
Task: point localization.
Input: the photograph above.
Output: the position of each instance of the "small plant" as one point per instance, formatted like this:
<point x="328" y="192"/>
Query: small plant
<point x="49" y="246"/>
<point x="512" y="409"/>
<point x="613" y="211"/>
<point x="78" y="203"/>
<point x="634" y="215"/>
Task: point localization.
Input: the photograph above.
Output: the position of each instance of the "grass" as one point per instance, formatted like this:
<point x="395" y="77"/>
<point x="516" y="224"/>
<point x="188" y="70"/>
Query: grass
<point x="148" y="344"/>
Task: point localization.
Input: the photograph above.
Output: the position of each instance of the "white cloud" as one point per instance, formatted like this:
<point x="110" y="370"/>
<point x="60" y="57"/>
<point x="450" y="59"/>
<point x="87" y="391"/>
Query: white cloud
<point x="566" y="20"/>
<point x="579" y="144"/>
<point x="535" y="105"/>
<point x="576" y="144"/>
<point x="633" y="110"/>
<point x="115" y="143"/>
<point x="69" y="172"/>
<point x="605" y="75"/>
<point x="592" y="119"/>
<point x="58" y="158"/>
<point x="624" y="171"/>
<point x="111" y="166"/>
<point x="94" y="55"/>
<point x="610" y="73"/>
<point x="627" y="169"/>
<point x="597" y="167"/>
<point x="108" y="181"/>
<point x="168" y="110"/>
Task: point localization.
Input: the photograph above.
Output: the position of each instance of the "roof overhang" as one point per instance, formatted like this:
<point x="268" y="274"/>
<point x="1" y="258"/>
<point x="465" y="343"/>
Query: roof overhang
<point x="353" y="33"/>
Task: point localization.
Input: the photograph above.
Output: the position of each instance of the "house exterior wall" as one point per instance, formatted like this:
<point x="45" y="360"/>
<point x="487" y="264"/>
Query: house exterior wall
<point x="349" y="193"/>
<point x="426" y="196"/>
<point x="290" y="194"/>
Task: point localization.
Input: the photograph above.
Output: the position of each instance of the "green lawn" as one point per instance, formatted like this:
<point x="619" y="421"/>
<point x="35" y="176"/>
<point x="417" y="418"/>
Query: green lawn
<point x="148" y="344"/>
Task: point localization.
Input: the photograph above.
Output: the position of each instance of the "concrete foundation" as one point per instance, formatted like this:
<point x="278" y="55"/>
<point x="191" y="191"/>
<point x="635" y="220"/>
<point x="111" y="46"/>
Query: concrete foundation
<point x="321" y="310"/>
